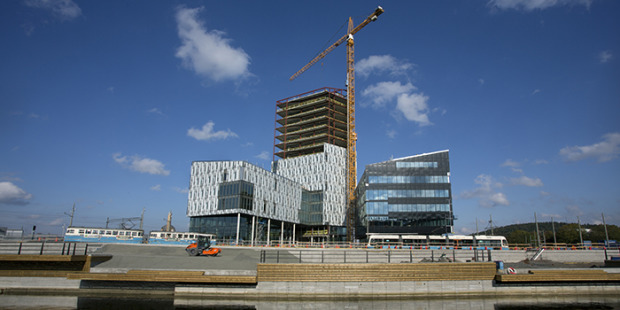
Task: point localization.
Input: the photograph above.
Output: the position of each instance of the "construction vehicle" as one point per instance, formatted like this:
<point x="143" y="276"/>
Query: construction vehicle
<point x="202" y="246"/>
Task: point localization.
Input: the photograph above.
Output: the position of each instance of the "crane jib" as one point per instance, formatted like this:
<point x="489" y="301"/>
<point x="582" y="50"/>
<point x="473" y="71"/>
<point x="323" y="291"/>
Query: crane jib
<point x="378" y="11"/>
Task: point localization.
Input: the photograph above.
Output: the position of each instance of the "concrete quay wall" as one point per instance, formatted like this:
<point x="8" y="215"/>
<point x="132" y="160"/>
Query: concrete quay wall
<point x="394" y="290"/>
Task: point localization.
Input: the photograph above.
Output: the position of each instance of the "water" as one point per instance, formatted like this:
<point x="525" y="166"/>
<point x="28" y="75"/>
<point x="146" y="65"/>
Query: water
<point x="149" y="302"/>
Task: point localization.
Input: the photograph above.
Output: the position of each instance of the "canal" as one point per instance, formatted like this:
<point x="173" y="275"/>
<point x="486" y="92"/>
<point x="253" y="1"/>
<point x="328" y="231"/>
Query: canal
<point x="164" y="303"/>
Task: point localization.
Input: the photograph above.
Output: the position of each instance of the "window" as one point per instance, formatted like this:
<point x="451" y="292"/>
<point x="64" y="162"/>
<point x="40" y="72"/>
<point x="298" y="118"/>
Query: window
<point x="407" y="179"/>
<point x="420" y="164"/>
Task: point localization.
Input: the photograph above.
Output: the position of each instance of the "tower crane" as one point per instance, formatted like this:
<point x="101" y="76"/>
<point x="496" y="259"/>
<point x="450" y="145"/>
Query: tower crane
<point x="351" y="135"/>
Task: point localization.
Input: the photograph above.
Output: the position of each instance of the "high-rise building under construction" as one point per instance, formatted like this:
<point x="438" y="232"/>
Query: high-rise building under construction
<point x="304" y="196"/>
<point x="306" y="121"/>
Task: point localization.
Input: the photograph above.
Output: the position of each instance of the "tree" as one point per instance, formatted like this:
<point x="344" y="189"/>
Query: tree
<point x="518" y="237"/>
<point x="568" y="234"/>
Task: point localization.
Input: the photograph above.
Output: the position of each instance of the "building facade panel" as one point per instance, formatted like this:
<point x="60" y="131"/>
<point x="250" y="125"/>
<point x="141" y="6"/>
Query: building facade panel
<point x="273" y="196"/>
<point x="325" y="172"/>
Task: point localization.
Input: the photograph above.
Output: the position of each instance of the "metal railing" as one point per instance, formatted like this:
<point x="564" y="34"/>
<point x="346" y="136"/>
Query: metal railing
<point x="46" y="248"/>
<point x="372" y="256"/>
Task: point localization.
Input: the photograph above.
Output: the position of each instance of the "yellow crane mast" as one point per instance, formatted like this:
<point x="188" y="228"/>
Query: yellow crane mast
<point x="352" y="136"/>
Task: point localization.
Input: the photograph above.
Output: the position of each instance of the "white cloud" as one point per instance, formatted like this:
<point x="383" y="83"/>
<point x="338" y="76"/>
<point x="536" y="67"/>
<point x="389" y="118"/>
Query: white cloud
<point x="156" y="188"/>
<point x="414" y="107"/>
<point x="526" y="181"/>
<point x="156" y="111"/>
<point x="141" y="164"/>
<point x="384" y="92"/>
<point x="181" y="190"/>
<point x="264" y="155"/>
<point x="207" y="133"/>
<point x="486" y="192"/>
<point x="10" y="194"/>
<point x="603" y="151"/>
<point x="514" y="166"/>
<point x="511" y="163"/>
<point x="62" y="9"/>
<point x="391" y="133"/>
<point x="208" y="53"/>
<point x="530" y="5"/>
<point x="481" y="81"/>
<point x="378" y="64"/>
<point x="605" y="56"/>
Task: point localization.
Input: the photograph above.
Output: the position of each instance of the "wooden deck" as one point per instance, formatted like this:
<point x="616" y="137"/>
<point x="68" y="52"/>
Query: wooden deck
<point x="43" y="265"/>
<point x="176" y="276"/>
<point x="562" y="275"/>
<point x="375" y="272"/>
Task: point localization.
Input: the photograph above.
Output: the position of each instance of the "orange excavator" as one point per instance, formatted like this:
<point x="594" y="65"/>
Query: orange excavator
<point x="202" y="246"/>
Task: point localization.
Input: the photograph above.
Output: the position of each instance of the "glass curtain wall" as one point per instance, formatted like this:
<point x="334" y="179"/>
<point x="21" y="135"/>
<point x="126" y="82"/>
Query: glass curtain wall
<point x="406" y="195"/>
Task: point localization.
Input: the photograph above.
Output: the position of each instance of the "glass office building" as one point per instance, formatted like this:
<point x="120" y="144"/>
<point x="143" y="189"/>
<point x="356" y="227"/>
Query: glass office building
<point x="406" y="195"/>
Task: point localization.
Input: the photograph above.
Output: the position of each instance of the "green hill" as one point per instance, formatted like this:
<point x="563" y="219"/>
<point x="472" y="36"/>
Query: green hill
<point x="564" y="233"/>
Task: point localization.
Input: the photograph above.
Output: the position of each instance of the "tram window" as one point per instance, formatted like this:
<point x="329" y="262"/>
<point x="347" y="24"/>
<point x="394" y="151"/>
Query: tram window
<point x="88" y="231"/>
<point x="115" y="232"/>
<point x="81" y="231"/>
<point x="108" y="232"/>
<point x="70" y="231"/>
<point x="191" y="236"/>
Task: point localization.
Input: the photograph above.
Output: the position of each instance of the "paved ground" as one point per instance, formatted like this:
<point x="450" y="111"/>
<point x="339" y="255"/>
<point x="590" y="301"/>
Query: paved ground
<point x="243" y="261"/>
<point x="126" y="257"/>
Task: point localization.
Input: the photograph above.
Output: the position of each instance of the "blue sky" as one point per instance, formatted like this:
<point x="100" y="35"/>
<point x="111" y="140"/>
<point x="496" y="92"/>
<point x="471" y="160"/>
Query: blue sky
<point x="105" y="104"/>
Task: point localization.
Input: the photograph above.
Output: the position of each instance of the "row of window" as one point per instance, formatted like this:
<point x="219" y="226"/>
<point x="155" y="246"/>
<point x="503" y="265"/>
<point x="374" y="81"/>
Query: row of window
<point x="417" y="164"/>
<point x="382" y="221"/>
<point x="382" y="207"/>
<point x="389" y="179"/>
<point x="235" y="202"/>
<point x="383" y="194"/>
<point x="236" y="188"/>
